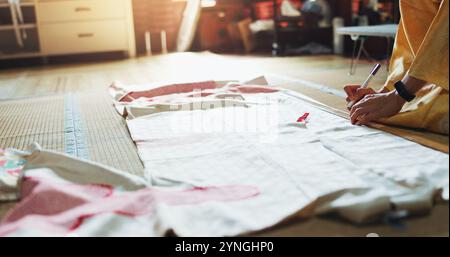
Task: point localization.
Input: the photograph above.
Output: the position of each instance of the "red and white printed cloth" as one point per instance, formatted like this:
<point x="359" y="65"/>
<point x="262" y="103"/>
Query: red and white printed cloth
<point x="230" y="161"/>
<point x="11" y="165"/>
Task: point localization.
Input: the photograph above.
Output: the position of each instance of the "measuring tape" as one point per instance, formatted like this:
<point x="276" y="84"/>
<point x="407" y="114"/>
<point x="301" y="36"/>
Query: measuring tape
<point x="74" y="139"/>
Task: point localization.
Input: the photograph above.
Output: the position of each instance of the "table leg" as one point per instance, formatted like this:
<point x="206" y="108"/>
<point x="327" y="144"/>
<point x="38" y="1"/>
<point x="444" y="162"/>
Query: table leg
<point x="355" y="42"/>
<point x="354" y="62"/>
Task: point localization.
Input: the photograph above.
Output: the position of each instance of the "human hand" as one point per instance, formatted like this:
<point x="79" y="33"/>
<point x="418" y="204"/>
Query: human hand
<point x="356" y="93"/>
<point x="375" y="106"/>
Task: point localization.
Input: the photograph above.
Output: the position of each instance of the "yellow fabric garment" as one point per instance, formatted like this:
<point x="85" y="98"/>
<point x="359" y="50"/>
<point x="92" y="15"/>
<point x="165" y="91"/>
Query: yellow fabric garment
<point x="421" y="50"/>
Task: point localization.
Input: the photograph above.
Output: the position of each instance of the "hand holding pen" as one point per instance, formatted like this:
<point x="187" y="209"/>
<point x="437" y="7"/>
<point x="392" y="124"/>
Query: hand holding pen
<point x="356" y="92"/>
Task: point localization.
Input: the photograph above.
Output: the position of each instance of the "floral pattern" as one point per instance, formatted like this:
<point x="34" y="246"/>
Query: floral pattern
<point x="10" y="166"/>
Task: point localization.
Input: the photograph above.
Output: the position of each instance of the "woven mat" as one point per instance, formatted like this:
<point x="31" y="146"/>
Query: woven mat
<point x="25" y="121"/>
<point x="107" y="135"/>
<point x="42" y="120"/>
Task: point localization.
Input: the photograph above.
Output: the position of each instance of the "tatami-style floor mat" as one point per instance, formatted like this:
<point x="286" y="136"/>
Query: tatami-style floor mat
<point x="24" y="121"/>
<point x="46" y="120"/>
<point x="106" y="134"/>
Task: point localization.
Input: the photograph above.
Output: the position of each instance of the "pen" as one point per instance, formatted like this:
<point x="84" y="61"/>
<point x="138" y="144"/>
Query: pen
<point x="366" y="83"/>
<point x="372" y="74"/>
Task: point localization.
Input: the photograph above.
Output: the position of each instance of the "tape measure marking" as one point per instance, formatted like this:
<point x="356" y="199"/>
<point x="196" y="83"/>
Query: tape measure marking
<point x="74" y="139"/>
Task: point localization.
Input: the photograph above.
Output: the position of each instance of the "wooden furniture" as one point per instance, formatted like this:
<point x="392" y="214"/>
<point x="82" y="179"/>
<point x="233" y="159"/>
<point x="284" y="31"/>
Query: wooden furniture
<point x="298" y="31"/>
<point x="155" y="16"/>
<point x="19" y="37"/>
<point x="217" y="24"/>
<point x="63" y="27"/>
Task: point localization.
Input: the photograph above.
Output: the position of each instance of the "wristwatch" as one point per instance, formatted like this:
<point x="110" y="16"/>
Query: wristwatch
<point x="401" y="90"/>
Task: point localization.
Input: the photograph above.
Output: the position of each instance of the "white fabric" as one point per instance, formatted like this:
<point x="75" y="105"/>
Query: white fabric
<point x="357" y="172"/>
<point x="297" y="169"/>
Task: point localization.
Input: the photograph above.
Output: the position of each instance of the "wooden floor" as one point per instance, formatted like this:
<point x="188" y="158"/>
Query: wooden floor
<point x="327" y="70"/>
<point x="331" y="71"/>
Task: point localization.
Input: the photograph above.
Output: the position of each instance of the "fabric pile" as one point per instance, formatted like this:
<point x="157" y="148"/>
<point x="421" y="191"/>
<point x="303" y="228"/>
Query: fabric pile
<point x="11" y="165"/>
<point x="226" y="159"/>
<point x="301" y="168"/>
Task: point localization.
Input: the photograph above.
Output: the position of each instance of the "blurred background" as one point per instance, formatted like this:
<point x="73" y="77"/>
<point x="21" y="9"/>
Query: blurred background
<point x="37" y="31"/>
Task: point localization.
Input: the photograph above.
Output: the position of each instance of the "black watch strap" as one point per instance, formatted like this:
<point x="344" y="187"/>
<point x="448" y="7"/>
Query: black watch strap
<point x="401" y="90"/>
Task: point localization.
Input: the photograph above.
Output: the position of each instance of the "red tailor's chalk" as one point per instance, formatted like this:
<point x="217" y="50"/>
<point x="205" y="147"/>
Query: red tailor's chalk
<point x="303" y="118"/>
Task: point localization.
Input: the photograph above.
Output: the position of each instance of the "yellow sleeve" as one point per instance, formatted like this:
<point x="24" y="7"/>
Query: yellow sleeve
<point x="431" y="61"/>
